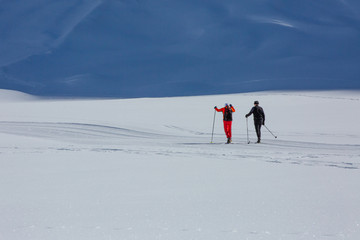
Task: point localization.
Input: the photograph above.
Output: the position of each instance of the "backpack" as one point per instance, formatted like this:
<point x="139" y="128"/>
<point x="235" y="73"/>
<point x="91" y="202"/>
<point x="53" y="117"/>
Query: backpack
<point x="227" y="114"/>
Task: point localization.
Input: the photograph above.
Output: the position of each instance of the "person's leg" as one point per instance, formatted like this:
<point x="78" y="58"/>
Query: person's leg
<point x="258" y="131"/>
<point x="227" y="129"/>
<point x="259" y="135"/>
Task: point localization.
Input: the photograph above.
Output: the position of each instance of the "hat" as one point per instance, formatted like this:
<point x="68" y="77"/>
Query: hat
<point x="256" y="102"/>
<point x="226" y="104"/>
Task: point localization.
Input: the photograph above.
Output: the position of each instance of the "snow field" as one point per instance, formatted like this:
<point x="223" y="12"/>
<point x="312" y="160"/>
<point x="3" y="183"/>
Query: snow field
<point x="145" y="168"/>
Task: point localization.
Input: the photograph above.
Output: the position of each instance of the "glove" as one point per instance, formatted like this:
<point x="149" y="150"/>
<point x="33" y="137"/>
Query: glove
<point x="215" y="107"/>
<point x="263" y="123"/>
<point x="247" y="115"/>
<point x="230" y="105"/>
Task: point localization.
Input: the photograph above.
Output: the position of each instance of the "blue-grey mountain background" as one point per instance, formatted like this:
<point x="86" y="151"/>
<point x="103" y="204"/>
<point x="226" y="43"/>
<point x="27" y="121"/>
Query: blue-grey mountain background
<point x="152" y="48"/>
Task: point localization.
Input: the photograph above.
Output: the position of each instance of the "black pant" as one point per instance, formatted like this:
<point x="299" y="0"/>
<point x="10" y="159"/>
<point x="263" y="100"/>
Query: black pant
<point x="258" y="125"/>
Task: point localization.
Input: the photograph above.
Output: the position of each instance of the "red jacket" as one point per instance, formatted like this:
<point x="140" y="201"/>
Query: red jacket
<point x="227" y="112"/>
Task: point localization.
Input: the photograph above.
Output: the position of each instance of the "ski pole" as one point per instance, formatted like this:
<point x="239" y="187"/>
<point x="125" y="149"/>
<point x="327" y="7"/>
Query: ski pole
<point x="212" y="133"/>
<point x="247" y="131"/>
<point x="270" y="131"/>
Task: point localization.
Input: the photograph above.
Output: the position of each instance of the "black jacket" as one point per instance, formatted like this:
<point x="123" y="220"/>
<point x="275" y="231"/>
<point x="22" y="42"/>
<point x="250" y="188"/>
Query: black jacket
<point x="259" y="115"/>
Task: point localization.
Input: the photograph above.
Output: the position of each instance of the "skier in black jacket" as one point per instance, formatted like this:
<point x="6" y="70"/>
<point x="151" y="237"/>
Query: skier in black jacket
<point x="259" y="118"/>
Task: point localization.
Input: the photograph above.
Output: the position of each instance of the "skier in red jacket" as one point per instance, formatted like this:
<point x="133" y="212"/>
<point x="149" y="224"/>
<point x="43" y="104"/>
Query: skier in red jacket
<point x="227" y="117"/>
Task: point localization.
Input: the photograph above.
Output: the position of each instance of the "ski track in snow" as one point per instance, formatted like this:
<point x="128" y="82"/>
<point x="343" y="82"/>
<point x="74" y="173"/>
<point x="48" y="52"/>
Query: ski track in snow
<point x="117" y="169"/>
<point x="112" y="139"/>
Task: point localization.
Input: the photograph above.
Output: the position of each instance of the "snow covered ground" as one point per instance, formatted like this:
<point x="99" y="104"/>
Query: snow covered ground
<point x="145" y="168"/>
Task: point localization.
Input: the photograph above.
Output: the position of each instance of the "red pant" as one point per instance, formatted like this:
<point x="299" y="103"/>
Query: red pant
<point x="227" y="128"/>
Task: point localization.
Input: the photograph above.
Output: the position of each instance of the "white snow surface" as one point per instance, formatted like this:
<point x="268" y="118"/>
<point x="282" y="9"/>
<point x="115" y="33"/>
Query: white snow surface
<point x="145" y="168"/>
<point x="14" y="96"/>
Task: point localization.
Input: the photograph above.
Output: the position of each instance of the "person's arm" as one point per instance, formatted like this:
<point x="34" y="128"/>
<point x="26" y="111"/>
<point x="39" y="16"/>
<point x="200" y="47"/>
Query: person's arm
<point x="263" y="115"/>
<point x="251" y="112"/>
<point x="232" y="108"/>
<point x="219" y="110"/>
